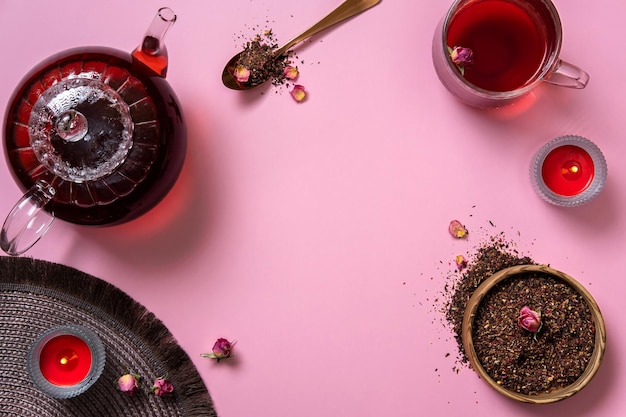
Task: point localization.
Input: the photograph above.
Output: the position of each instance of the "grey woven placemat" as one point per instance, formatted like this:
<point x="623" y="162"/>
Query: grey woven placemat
<point x="37" y="295"/>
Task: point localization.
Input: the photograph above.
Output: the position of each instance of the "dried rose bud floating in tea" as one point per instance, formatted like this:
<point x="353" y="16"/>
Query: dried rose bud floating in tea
<point x="461" y="57"/>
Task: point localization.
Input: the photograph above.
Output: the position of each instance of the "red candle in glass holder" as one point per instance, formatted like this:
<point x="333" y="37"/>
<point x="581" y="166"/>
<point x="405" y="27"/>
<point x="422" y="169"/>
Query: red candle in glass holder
<point x="568" y="170"/>
<point x="65" y="360"/>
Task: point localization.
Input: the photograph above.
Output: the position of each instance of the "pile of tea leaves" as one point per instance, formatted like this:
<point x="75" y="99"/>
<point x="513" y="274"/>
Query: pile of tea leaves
<point x="520" y="361"/>
<point x="495" y="254"/>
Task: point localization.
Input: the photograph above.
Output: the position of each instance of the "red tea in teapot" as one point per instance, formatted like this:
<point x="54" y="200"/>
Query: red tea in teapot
<point x="101" y="128"/>
<point x="130" y="153"/>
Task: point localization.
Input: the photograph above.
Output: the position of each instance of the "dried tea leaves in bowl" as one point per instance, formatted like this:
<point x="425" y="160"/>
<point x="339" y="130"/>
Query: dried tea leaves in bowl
<point x="527" y="363"/>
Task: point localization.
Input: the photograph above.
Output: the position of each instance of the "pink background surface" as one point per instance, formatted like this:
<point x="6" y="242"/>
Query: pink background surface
<point x="315" y="234"/>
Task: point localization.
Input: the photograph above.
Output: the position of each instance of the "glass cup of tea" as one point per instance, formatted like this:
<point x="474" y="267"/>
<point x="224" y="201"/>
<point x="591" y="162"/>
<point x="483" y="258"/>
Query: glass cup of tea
<point x="489" y="53"/>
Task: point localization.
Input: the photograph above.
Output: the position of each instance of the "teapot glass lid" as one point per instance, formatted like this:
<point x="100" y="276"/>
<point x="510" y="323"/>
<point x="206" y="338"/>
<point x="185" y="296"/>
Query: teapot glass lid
<point x="80" y="129"/>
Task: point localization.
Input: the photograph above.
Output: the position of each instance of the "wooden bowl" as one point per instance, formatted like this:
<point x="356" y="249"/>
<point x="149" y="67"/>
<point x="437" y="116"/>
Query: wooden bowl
<point x="557" y="394"/>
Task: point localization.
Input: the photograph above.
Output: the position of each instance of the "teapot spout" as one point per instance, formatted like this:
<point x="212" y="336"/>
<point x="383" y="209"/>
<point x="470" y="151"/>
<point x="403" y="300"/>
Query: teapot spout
<point x="151" y="54"/>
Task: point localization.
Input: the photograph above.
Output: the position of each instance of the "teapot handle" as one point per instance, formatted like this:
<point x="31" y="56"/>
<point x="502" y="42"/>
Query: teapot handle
<point x="27" y="222"/>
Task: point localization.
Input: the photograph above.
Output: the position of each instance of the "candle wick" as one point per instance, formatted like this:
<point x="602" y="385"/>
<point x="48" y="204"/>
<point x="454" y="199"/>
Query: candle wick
<point x="66" y="359"/>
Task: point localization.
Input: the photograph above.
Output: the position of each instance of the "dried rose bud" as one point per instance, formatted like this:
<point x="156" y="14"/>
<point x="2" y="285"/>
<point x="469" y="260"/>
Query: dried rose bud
<point x="529" y="319"/>
<point x="457" y="230"/>
<point x="241" y="73"/>
<point x="298" y="93"/>
<point x="162" y="387"/>
<point x="129" y="383"/>
<point x="222" y="349"/>
<point x="461" y="262"/>
<point x="291" y="73"/>
<point x="462" y="57"/>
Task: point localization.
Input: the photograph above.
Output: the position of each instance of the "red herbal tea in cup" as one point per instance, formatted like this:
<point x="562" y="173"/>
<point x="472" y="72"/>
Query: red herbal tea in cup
<point x="508" y="42"/>
<point x="514" y="44"/>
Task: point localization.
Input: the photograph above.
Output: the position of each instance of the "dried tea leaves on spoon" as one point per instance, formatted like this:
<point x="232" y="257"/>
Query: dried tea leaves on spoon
<point x="258" y="62"/>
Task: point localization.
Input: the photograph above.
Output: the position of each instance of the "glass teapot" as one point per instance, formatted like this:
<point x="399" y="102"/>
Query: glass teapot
<point x="94" y="136"/>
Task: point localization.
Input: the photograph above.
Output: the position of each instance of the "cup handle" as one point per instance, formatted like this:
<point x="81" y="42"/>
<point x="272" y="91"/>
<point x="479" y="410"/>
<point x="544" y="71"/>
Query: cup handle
<point x="568" y="75"/>
<point x="27" y="222"/>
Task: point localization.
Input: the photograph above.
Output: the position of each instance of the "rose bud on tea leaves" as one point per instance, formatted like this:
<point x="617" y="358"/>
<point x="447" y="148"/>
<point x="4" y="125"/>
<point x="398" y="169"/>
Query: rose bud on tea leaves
<point x="530" y="320"/>
<point x="242" y="74"/>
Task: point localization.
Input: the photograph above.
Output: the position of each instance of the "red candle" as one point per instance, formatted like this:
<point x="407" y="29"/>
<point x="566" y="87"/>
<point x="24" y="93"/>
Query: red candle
<point x="568" y="170"/>
<point x="65" y="360"/>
